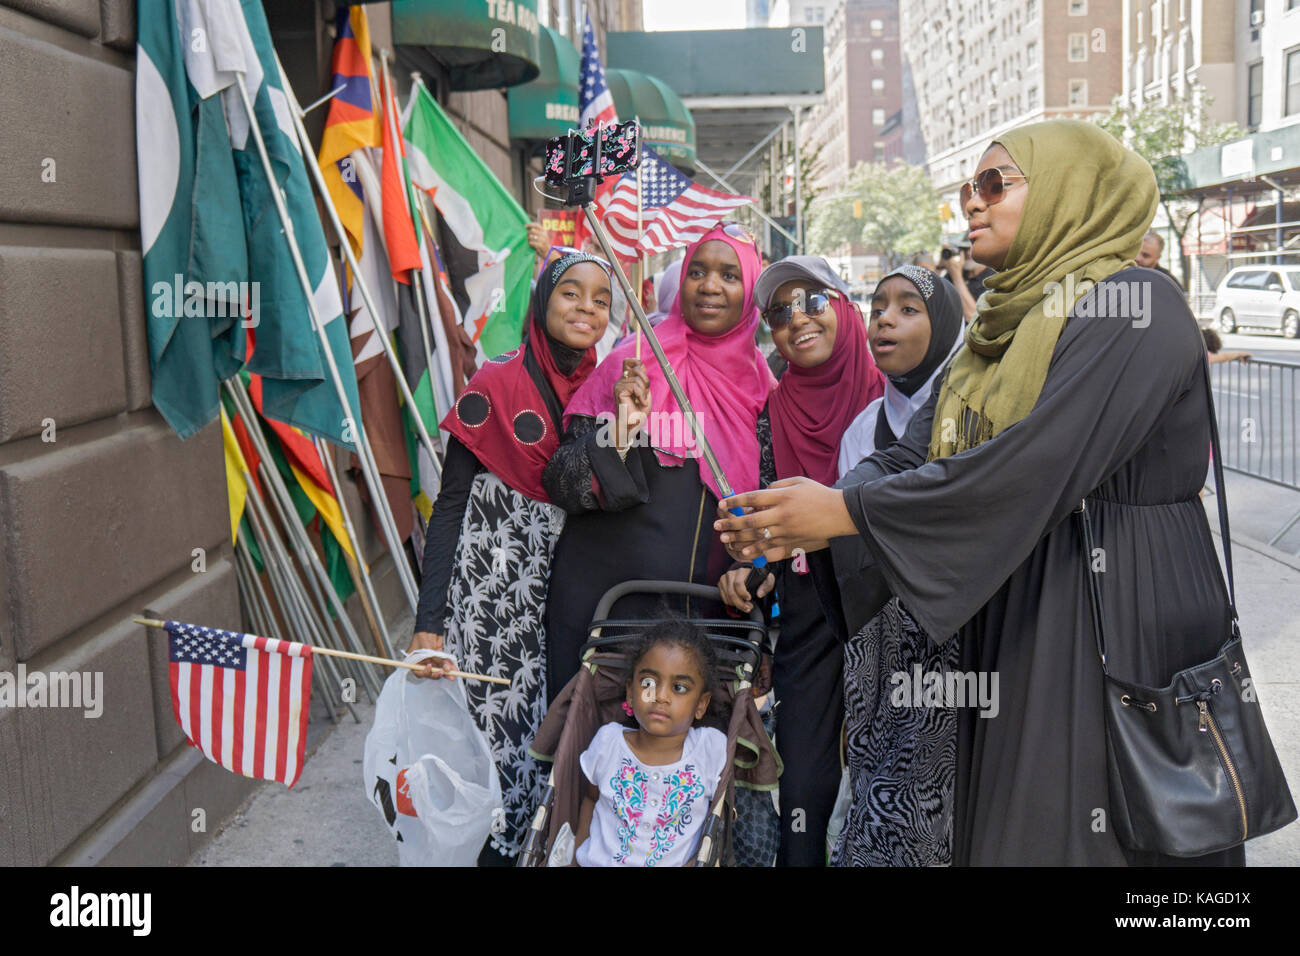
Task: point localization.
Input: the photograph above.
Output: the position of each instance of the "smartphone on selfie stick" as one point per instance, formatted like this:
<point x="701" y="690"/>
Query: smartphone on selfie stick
<point x="578" y="162"/>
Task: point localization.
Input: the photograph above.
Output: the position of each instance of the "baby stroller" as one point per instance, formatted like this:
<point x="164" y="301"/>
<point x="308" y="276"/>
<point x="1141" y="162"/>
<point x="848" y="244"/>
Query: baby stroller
<point x="595" y="697"/>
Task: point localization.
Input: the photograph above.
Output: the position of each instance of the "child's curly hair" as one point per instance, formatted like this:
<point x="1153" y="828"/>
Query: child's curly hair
<point x="679" y="632"/>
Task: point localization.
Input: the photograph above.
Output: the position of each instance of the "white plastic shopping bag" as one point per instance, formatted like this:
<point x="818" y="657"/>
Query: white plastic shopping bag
<point x="428" y="768"/>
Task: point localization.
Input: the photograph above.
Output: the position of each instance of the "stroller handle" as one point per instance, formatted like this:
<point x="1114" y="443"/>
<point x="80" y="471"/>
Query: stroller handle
<point x="687" y="588"/>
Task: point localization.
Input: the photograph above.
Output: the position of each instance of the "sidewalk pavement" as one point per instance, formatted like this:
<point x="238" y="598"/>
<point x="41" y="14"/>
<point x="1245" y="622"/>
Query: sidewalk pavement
<point x="326" y="820"/>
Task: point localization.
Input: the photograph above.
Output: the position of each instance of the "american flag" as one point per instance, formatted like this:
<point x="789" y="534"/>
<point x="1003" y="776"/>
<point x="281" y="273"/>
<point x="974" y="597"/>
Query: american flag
<point x="675" y="212"/>
<point x="242" y="700"/>
<point x="595" y="108"/>
<point x="595" y="102"/>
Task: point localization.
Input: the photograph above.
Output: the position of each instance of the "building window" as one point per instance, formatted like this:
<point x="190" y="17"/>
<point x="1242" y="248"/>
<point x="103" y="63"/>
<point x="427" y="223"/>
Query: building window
<point x="877" y="28"/>
<point x="1078" y="8"/>
<point x="1292" y="82"/>
<point x="993" y="114"/>
<point x="877" y="117"/>
<point x="1031" y="53"/>
<point x="1032" y="97"/>
<point x="877" y="57"/>
<point x="878" y="87"/>
<point x="1254" y="95"/>
<point x="1078" y="47"/>
<point x="878" y="153"/>
<point x="1078" y="92"/>
<point x="1031" y="10"/>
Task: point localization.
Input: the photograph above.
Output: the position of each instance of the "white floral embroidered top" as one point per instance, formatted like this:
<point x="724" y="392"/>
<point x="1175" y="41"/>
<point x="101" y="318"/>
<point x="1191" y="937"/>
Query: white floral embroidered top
<point x="647" y="815"/>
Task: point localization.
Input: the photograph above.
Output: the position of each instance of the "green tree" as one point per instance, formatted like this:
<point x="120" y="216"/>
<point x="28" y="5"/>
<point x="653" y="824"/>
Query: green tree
<point x="892" y="210"/>
<point x="1163" y="134"/>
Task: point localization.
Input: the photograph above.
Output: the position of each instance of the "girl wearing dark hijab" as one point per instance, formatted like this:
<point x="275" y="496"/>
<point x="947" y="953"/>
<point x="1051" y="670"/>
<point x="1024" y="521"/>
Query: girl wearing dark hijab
<point x="1081" y="376"/>
<point x="487" y="557"/>
<point x="831" y="378"/>
<point x="901" y="760"/>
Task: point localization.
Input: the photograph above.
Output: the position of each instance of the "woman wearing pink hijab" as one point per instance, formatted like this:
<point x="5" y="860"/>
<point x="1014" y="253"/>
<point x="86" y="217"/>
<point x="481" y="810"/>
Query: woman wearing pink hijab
<point x="640" y="499"/>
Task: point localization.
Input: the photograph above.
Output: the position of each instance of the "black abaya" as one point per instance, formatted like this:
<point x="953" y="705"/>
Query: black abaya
<point x="983" y="545"/>
<point x="628" y="520"/>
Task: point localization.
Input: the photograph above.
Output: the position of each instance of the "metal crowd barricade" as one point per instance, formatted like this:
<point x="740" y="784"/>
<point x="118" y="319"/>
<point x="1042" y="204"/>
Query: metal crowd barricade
<point x="1256" y="404"/>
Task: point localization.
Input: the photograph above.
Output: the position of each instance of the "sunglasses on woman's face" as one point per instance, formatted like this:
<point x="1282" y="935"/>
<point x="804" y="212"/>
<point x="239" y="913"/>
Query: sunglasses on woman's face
<point x="991" y="184"/>
<point x="811" y="304"/>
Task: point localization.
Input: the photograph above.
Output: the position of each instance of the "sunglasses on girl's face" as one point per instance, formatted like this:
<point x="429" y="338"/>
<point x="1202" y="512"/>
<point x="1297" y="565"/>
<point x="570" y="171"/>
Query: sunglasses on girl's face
<point x="991" y="185"/>
<point x="811" y="304"/>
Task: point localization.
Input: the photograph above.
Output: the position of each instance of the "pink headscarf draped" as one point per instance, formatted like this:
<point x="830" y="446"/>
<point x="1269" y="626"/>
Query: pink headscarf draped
<point x="812" y="408"/>
<point x="725" y="377"/>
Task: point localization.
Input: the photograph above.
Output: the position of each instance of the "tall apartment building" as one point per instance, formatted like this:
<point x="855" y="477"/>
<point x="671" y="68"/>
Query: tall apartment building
<point x="862" y="119"/>
<point x="1172" y="47"/>
<point x="983" y="66"/>
<point x="1266" y="70"/>
<point x="794" y="13"/>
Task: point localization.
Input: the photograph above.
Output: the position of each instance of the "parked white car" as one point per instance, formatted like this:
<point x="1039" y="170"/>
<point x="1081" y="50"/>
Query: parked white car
<point x="1260" y="297"/>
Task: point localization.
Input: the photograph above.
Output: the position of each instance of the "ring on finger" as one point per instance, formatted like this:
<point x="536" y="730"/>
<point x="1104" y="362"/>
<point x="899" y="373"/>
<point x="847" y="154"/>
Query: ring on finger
<point x="767" y="532"/>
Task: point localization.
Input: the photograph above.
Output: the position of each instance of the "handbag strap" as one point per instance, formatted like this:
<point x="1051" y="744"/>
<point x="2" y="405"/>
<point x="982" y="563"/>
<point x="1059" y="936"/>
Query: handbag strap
<point x="1085" y="530"/>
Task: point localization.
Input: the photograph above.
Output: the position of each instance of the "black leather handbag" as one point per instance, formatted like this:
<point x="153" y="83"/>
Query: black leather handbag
<point x="1191" y="767"/>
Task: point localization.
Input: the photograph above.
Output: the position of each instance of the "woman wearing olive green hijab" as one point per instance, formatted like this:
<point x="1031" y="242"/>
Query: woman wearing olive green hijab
<point x="1060" y="392"/>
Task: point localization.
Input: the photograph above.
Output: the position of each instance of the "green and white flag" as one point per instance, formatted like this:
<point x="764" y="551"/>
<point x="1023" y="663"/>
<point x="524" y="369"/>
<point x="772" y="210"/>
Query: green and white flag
<point x="482" y="215"/>
<point x="297" y="385"/>
<point x="191" y="232"/>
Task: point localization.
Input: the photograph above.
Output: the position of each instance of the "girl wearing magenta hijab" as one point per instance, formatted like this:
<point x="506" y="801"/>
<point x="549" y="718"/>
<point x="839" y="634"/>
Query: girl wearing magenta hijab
<point x="640" y="499"/>
<point x="831" y="378"/>
<point x="488" y="552"/>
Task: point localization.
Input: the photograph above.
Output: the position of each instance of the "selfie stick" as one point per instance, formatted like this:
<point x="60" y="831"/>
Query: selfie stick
<point x="759" y="574"/>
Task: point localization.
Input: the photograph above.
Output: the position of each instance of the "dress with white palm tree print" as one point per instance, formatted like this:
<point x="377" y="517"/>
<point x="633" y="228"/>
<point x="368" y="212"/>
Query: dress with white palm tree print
<point x="496" y="605"/>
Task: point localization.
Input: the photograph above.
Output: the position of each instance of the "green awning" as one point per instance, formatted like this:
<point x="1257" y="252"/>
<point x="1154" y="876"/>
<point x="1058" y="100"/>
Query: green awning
<point x="548" y="106"/>
<point x="666" y="124"/>
<point x="483" y="44"/>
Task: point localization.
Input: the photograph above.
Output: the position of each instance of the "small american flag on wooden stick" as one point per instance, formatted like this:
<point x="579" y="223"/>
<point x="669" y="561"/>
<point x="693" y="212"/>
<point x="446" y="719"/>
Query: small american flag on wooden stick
<point x="242" y="700"/>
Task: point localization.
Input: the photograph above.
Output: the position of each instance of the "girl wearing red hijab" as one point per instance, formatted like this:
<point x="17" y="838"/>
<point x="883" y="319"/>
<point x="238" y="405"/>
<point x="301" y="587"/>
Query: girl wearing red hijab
<point x="831" y="378"/>
<point x="640" y="500"/>
<point x="488" y="549"/>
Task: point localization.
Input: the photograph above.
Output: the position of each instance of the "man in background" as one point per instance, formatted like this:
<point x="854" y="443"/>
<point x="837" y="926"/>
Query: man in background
<point x="1153" y="247"/>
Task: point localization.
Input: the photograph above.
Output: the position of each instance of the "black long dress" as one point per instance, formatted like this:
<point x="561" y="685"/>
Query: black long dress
<point x="983" y="545"/>
<point x="628" y="520"/>
<point x="807" y="675"/>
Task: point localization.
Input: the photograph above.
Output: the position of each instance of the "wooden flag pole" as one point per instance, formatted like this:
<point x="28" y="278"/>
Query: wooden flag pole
<point x="367" y="658"/>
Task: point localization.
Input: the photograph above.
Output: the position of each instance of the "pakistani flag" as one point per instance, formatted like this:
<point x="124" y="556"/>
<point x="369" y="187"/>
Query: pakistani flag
<point x="298" y="387"/>
<point x="191" y="232"/>
<point x="481" y="213"/>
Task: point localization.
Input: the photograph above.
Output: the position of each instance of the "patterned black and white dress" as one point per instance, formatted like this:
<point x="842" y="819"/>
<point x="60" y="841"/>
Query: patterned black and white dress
<point x="496" y="603"/>
<point x="902" y="759"/>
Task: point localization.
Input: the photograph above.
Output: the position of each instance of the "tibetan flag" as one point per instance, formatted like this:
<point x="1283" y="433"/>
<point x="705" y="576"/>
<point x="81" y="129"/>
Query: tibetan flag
<point x="242" y="700"/>
<point x="483" y="216"/>
<point x="236" y="486"/>
<point x="351" y="122"/>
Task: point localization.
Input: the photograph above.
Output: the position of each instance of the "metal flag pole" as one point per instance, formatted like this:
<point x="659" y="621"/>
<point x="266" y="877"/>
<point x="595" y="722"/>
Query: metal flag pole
<point x="369" y="469"/>
<point x="361" y="574"/>
<point x="358" y="281"/>
<point x="640" y="235"/>
<point x="679" y="393"/>
<point x="313" y="570"/>
<point x="285" y="585"/>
